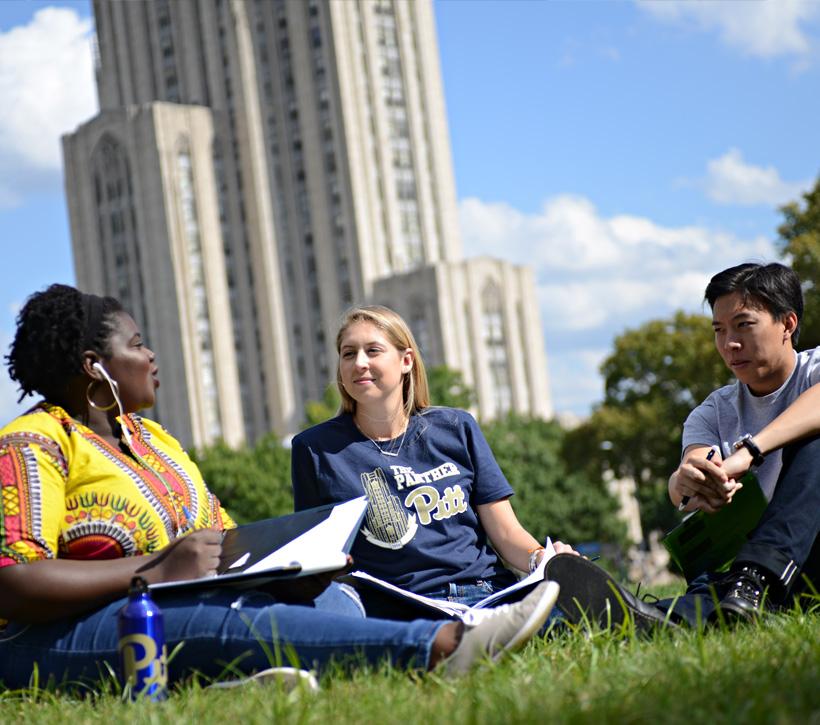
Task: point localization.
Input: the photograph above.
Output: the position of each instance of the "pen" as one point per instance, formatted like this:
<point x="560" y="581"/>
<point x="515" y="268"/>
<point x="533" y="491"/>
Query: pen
<point x="685" y="500"/>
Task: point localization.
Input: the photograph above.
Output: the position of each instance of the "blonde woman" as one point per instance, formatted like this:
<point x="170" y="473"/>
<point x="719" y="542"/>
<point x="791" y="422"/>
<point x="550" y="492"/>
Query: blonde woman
<point x="439" y="504"/>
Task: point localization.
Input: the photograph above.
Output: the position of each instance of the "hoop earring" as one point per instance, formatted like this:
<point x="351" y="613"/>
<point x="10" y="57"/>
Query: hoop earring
<point x="92" y="403"/>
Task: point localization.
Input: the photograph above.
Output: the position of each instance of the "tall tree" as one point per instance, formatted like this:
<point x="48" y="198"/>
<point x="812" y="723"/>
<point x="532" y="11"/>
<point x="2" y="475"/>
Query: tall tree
<point x="655" y="376"/>
<point x="800" y="240"/>
<point x="550" y="497"/>
<point x="447" y="387"/>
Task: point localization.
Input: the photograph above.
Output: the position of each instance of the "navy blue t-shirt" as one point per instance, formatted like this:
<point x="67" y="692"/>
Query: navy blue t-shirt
<point x="421" y="529"/>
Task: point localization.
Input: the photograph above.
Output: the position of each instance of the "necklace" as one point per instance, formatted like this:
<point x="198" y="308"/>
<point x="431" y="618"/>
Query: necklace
<point x="391" y="453"/>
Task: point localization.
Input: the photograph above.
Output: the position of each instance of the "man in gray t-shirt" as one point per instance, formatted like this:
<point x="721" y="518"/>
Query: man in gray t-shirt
<point x="733" y="410"/>
<point x="769" y="419"/>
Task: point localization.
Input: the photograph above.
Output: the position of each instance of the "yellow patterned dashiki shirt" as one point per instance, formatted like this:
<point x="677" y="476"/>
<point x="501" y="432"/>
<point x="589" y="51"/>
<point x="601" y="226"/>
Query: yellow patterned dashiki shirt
<point x="67" y="493"/>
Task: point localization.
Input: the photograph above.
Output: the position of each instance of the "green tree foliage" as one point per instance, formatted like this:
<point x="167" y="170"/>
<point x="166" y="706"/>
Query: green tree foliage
<point x="318" y="411"/>
<point x="251" y="483"/>
<point x="447" y="388"/>
<point x="551" y="498"/>
<point x="800" y="240"/>
<point x="655" y="376"/>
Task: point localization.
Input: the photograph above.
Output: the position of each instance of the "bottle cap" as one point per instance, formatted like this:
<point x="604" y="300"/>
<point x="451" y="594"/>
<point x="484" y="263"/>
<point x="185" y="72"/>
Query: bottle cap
<point x="138" y="586"/>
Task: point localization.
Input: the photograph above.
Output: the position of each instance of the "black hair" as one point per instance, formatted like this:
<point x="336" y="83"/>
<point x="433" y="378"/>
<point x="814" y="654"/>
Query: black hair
<point x="54" y="328"/>
<point x="775" y="287"/>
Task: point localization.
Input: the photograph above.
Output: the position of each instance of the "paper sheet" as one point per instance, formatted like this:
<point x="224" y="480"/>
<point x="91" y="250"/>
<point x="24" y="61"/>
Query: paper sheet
<point x="321" y="547"/>
<point x="456" y="609"/>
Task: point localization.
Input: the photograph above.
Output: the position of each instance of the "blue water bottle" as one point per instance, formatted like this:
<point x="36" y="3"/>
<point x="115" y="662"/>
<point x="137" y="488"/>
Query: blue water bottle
<point x="143" y="658"/>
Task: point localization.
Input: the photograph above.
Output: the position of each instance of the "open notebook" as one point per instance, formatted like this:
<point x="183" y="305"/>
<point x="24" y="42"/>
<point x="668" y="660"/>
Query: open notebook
<point x="306" y="542"/>
<point x="411" y="604"/>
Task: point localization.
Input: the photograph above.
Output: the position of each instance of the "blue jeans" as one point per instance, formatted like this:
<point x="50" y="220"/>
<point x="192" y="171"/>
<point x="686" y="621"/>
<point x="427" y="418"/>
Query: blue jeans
<point x="249" y="630"/>
<point x="783" y="542"/>
<point x="469" y="594"/>
<point x="473" y="592"/>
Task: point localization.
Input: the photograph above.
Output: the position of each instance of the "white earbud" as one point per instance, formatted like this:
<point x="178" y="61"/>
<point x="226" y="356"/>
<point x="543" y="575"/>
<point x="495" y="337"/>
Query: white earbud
<point x="108" y="378"/>
<point x="115" y="390"/>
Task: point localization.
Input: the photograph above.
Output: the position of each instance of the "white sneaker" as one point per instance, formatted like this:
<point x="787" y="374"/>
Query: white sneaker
<point x="290" y="678"/>
<point x="504" y="629"/>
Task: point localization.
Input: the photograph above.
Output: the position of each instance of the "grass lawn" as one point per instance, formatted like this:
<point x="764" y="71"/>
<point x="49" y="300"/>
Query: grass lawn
<point x="767" y="672"/>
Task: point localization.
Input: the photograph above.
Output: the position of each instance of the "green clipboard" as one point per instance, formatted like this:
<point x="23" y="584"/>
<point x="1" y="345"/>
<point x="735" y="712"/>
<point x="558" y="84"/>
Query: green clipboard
<point x="710" y="542"/>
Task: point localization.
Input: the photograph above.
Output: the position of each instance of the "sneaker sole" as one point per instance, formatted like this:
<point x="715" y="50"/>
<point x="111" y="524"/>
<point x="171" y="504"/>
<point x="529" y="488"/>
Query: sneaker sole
<point x="534" y="622"/>
<point x="589" y="594"/>
<point x="289" y="678"/>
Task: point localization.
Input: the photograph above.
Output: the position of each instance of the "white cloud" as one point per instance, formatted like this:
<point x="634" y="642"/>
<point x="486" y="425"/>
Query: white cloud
<point x="597" y="275"/>
<point x="762" y="28"/>
<point x="730" y="180"/>
<point x="47" y="87"/>
<point x="600" y="302"/>
<point x="572" y="247"/>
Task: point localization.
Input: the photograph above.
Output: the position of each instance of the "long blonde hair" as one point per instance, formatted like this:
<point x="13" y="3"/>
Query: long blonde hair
<point x="415" y="392"/>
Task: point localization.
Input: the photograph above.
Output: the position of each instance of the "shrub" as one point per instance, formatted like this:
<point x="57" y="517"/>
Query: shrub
<point x="550" y="499"/>
<point x="252" y="483"/>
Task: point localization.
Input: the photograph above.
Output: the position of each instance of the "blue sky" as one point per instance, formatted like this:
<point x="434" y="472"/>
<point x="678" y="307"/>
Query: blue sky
<point x="626" y="150"/>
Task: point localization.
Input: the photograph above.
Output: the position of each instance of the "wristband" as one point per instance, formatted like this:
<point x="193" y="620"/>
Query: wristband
<point x="534" y="558"/>
<point x="748" y="443"/>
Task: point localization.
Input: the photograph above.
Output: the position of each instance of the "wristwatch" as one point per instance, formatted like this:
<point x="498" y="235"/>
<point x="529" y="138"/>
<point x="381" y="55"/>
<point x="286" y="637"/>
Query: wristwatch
<point x="749" y="444"/>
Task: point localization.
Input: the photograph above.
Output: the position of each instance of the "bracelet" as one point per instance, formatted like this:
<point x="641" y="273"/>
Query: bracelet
<point x="534" y="558"/>
<point x="748" y="443"/>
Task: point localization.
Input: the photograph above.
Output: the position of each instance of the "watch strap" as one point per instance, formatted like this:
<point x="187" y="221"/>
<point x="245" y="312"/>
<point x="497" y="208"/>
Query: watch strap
<point x="748" y="443"/>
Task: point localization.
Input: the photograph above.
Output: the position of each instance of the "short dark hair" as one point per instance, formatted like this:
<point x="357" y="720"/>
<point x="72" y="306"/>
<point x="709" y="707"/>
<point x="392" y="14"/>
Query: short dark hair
<point x="775" y="287"/>
<point x="53" y="330"/>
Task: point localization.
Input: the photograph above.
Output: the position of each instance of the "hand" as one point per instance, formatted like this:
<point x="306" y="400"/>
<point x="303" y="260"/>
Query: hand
<point x="703" y="481"/>
<point x="304" y="589"/>
<point x="732" y="468"/>
<point x="713" y="505"/>
<point x="190" y="557"/>
<point x="562" y="548"/>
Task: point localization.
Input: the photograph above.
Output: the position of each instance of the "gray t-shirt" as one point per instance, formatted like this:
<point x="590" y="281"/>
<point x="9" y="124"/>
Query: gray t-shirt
<point x="732" y="411"/>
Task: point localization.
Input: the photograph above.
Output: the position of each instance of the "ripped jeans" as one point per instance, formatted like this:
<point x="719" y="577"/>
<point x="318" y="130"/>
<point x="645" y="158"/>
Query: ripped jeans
<point x="249" y="631"/>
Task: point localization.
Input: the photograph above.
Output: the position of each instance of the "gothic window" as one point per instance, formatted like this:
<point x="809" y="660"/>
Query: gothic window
<point x="198" y="292"/>
<point x="495" y="344"/>
<point x="116" y="223"/>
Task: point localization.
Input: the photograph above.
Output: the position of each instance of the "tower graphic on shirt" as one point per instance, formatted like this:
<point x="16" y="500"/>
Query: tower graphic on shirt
<point x="386" y="524"/>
